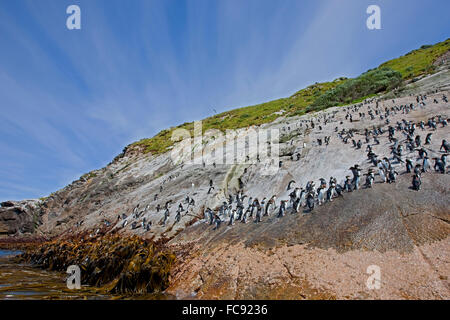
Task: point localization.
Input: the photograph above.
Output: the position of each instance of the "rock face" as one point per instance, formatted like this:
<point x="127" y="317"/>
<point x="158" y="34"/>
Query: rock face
<point x="19" y="217"/>
<point x="325" y="254"/>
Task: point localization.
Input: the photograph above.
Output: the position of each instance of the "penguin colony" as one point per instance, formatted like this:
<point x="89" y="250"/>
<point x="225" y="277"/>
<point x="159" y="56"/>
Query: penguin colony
<point x="405" y="142"/>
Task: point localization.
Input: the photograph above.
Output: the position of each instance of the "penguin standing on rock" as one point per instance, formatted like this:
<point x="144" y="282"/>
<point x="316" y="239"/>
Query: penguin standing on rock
<point x="348" y="184"/>
<point x="231" y="222"/>
<point x="381" y="171"/>
<point x="217" y="221"/>
<point x="428" y="138"/>
<point x="310" y="201"/>
<point x="282" y="208"/>
<point x="210" y="215"/>
<point x="425" y="164"/>
<point x="409" y="165"/>
<point x="416" y="182"/>
<point x="439" y="165"/>
<point x="290" y="184"/>
<point x="370" y="177"/>
<point x="258" y="212"/>
<point x="320" y="195"/>
<point x="331" y="191"/>
<point x="356" y="175"/>
<point x="445" y="145"/>
<point x="392" y="175"/>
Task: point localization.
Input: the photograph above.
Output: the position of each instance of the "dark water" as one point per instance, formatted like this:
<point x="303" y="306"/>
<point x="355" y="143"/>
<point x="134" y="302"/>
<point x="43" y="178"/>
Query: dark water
<point x="4" y="253"/>
<point x="23" y="282"/>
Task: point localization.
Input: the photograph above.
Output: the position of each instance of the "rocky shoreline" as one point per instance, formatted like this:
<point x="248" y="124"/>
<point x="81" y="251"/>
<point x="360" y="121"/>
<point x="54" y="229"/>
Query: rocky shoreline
<point x="112" y="263"/>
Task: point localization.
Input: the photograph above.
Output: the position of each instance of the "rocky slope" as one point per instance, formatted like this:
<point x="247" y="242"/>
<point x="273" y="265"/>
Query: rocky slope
<point x="319" y="254"/>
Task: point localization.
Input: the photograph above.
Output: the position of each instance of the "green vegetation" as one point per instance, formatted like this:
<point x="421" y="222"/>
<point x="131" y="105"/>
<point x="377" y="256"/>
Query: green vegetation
<point x="88" y="175"/>
<point x="418" y="62"/>
<point x="313" y="98"/>
<point x="369" y="83"/>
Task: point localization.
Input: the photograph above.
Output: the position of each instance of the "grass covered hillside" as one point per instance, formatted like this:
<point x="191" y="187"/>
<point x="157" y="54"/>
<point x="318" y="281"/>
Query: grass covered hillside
<point x="418" y="62"/>
<point x="367" y="84"/>
<point x="316" y="97"/>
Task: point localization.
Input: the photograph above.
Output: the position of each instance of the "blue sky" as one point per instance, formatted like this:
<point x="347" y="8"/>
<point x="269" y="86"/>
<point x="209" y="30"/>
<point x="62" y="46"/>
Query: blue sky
<point x="72" y="99"/>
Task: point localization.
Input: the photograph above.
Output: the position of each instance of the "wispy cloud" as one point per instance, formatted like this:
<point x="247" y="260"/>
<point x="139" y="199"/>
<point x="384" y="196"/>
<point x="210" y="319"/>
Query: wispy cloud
<point x="71" y="100"/>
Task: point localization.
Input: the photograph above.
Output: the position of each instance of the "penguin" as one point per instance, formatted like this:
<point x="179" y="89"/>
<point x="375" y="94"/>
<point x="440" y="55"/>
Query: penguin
<point x="409" y="165"/>
<point x="134" y="225"/>
<point x="270" y="205"/>
<point x="417" y="141"/>
<point x="232" y="215"/>
<point x="258" y="213"/>
<point x="356" y="175"/>
<point x="348" y="184"/>
<point x="166" y="216"/>
<point x="422" y="153"/>
<point x="381" y="171"/>
<point x="210" y="215"/>
<point x="339" y="190"/>
<point x="282" y="209"/>
<point x="217" y="222"/>
<point x="290" y="184"/>
<point x="369" y="178"/>
<point x="302" y="197"/>
<point x="417" y="169"/>
<point x="253" y="205"/>
<point x="439" y="165"/>
<point x="178" y="216"/>
<point x="444" y="159"/>
<point x="297" y="204"/>
<point x="239" y="212"/>
<point x="310" y="201"/>
<point x="428" y="138"/>
<point x="392" y="175"/>
<point x="292" y="196"/>
<point x="320" y="195"/>
<point x="244" y="216"/>
<point x="416" y="182"/>
<point x="331" y="192"/>
<point x="425" y="164"/>
<point x="445" y="145"/>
